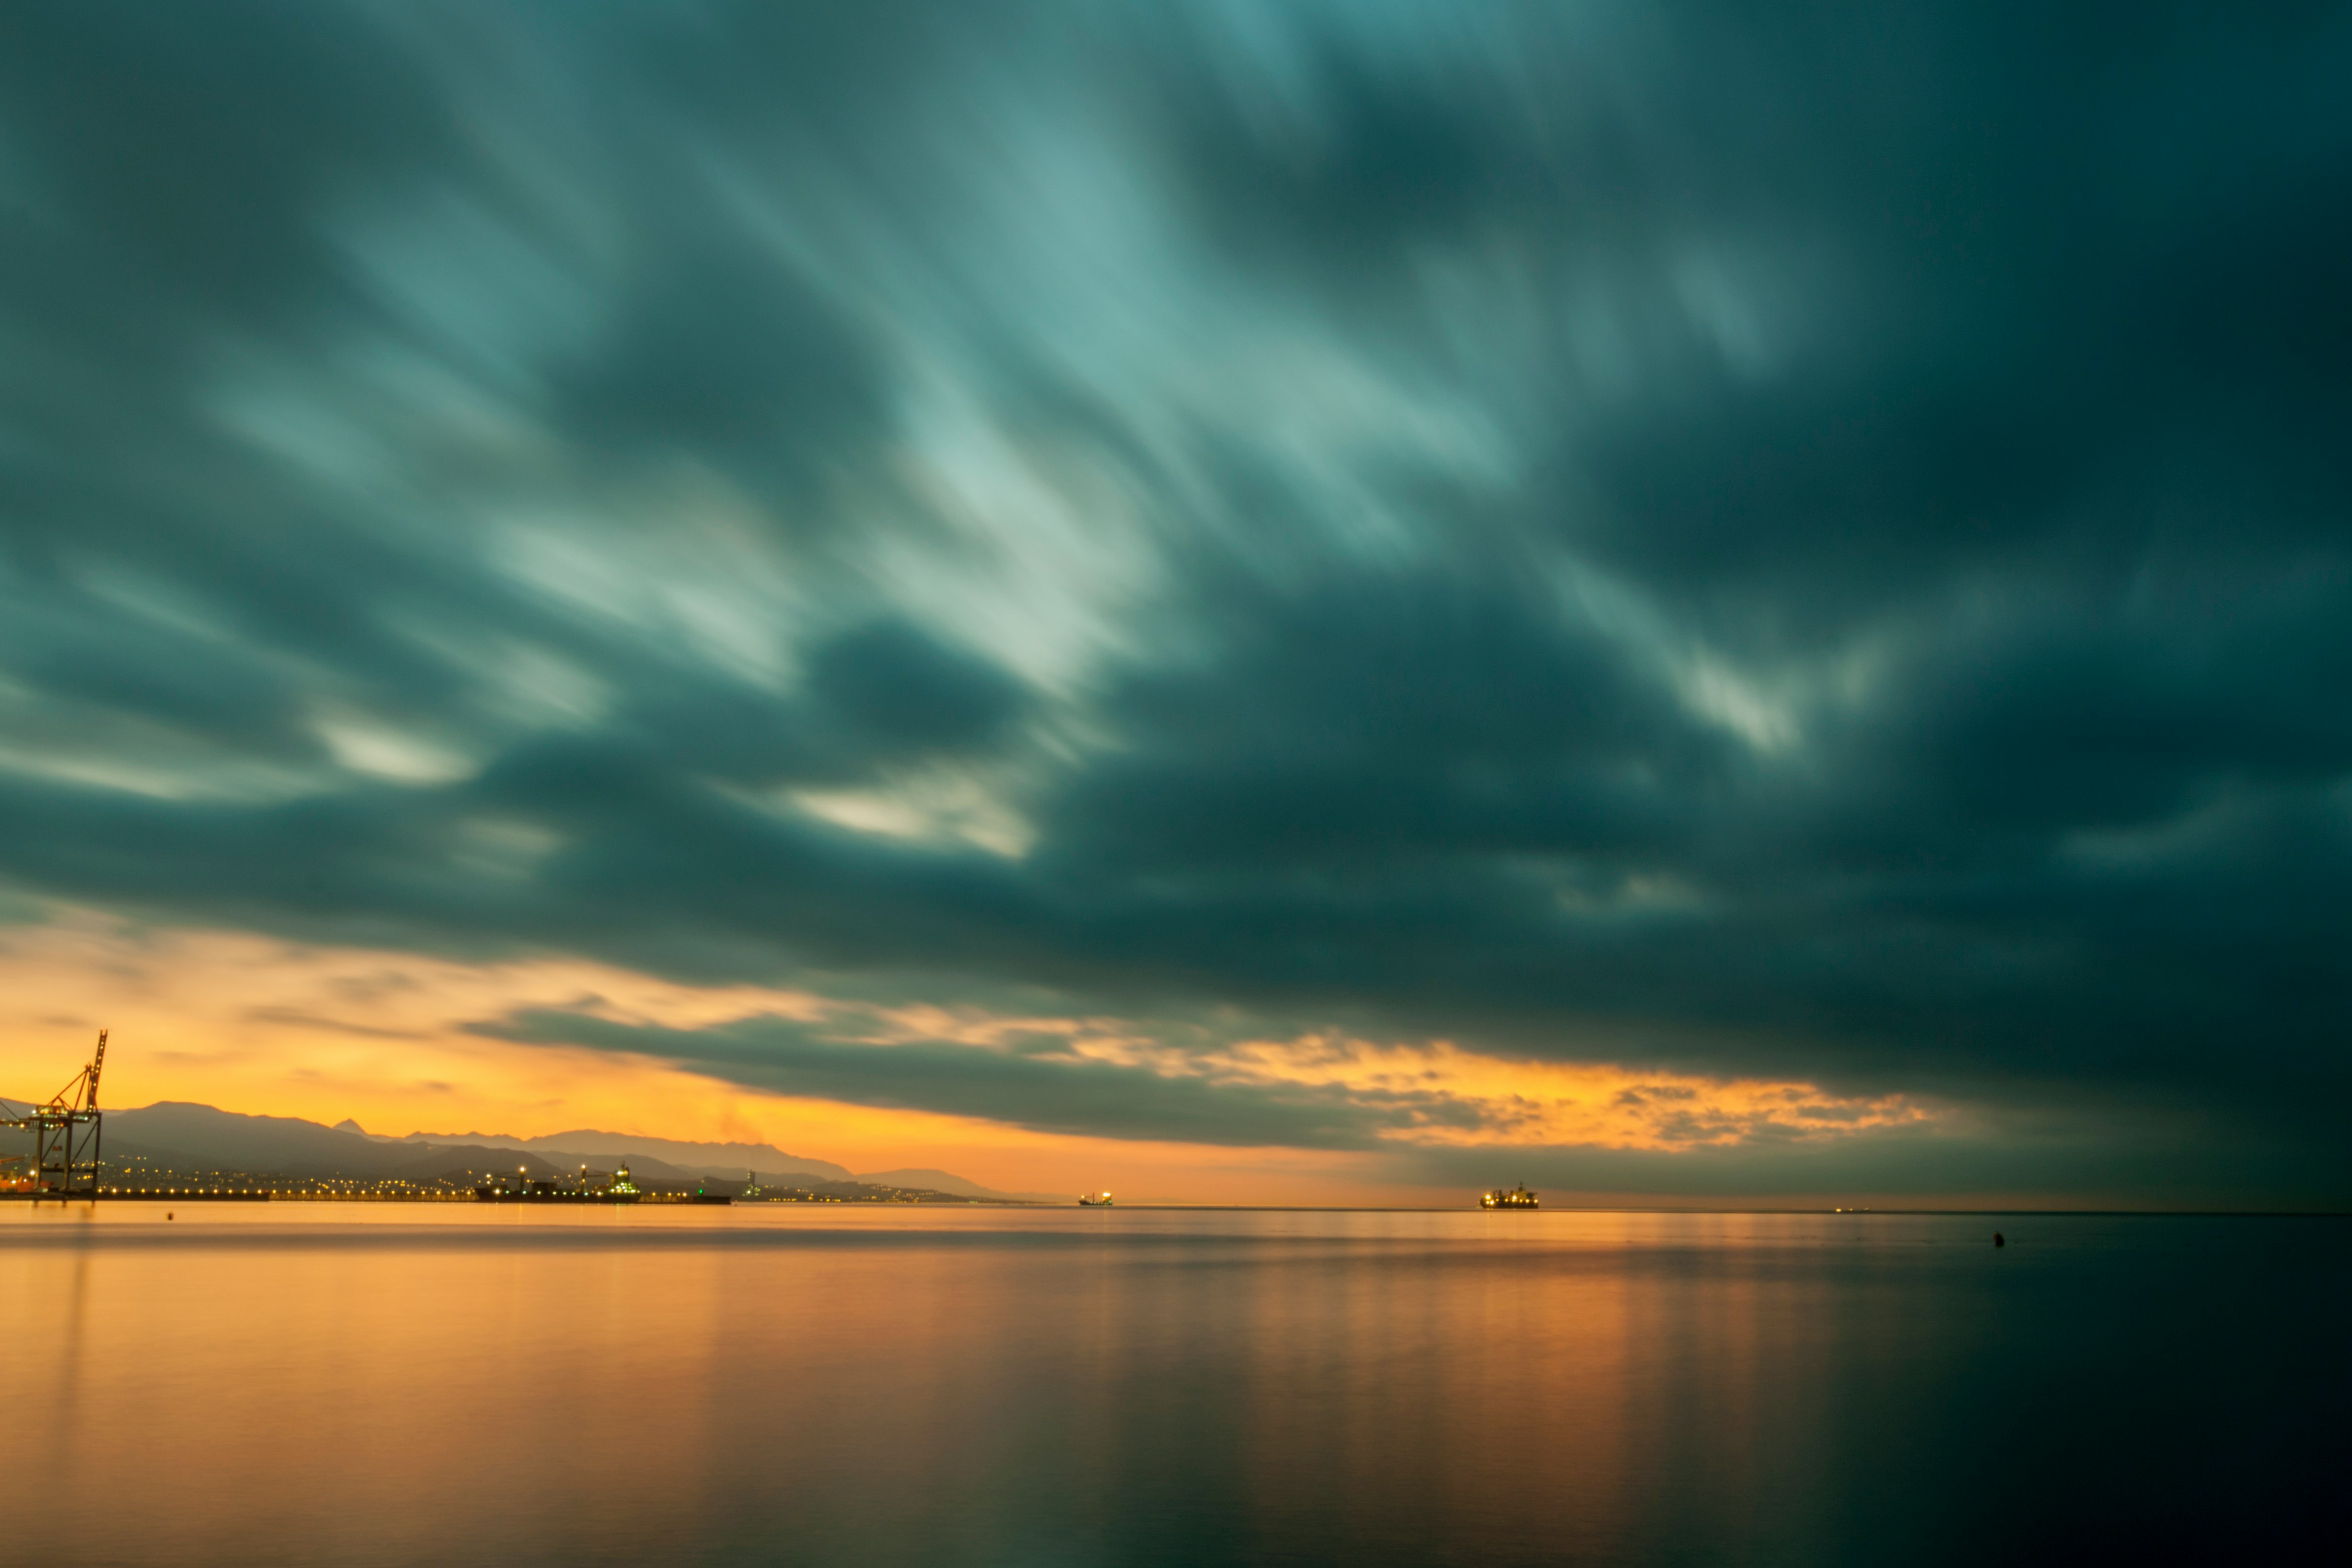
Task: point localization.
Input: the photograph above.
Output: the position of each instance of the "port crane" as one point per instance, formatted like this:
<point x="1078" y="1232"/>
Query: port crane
<point x="66" y="1132"/>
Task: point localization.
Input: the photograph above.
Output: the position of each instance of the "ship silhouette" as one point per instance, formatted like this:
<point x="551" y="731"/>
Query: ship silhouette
<point x="1518" y="1197"/>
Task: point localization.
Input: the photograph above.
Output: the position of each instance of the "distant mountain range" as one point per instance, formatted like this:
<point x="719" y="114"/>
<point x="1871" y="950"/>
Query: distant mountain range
<point x="704" y="1159"/>
<point x="947" y="1181"/>
<point x="180" y="1136"/>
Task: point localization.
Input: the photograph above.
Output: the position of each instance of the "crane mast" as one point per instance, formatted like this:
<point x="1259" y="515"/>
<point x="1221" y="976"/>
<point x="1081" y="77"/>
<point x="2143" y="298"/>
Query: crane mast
<point x="66" y="1133"/>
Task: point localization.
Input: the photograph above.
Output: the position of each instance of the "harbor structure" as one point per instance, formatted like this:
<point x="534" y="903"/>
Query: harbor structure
<point x="66" y="1132"/>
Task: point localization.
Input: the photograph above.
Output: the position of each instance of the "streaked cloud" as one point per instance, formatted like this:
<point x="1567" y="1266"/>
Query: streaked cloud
<point x="1799" y="562"/>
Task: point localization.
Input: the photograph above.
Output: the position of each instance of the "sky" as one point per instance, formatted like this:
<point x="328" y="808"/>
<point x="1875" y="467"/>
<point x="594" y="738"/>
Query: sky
<point x="1335" y="601"/>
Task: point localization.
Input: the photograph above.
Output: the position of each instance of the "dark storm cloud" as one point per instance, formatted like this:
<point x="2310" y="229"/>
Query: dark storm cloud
<point x="185" y="156"/>
<point x="1811" y="548"/>
<point x="725" y="355"/>
<point x="1088" y="1098"/>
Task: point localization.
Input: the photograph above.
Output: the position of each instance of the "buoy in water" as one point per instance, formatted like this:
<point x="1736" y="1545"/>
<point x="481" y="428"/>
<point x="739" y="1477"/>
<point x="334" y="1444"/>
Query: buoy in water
<point x="1998" y="1239"/>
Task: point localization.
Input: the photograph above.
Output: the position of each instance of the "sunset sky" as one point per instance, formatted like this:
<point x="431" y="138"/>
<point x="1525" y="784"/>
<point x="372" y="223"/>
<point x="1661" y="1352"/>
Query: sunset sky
<point x="1339" y="602"/>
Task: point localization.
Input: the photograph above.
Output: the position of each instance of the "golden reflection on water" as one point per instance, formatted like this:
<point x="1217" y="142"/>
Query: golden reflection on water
<point x="367" y="1385"/>
<point x="338" y="1384"/>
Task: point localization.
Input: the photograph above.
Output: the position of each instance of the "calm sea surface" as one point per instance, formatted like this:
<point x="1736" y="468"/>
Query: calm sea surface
<point x="342" y="1384"/>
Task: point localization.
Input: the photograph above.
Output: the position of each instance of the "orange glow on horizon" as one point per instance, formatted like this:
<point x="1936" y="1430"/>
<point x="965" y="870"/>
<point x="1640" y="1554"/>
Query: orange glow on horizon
<point x="269" y="1027"/>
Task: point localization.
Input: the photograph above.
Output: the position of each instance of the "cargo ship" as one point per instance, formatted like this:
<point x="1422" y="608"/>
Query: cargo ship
<point x="1096" y="1200"/>
<point x="587" y="1187"/>
<point x="1518" y="1197"/>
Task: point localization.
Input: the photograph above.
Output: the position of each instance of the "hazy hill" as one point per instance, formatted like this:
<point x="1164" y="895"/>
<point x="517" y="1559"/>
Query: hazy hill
<point x="947" y="1182"/>
<point x="235" y="1141"/>
<point x="730" y="1160"/>
<point x="137" y="1163"/>
<point x="188" y="1137"/>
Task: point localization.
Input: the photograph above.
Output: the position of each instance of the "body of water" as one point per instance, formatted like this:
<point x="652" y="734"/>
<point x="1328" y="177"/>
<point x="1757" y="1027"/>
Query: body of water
<point x="348" y="1384"/>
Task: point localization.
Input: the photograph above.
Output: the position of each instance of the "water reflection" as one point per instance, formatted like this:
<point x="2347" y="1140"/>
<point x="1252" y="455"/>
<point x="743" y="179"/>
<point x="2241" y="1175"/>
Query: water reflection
<point x="321" y="1384"/>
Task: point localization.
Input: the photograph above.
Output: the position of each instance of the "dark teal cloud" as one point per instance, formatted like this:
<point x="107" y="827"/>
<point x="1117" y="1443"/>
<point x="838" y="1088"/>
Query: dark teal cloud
<point x="1809" y="548"/>
<point x="1050" y="1094"/>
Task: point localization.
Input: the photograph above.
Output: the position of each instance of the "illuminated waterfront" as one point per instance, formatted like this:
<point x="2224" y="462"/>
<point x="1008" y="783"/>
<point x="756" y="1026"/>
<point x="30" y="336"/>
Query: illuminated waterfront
<point x="385" y="1383"/>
